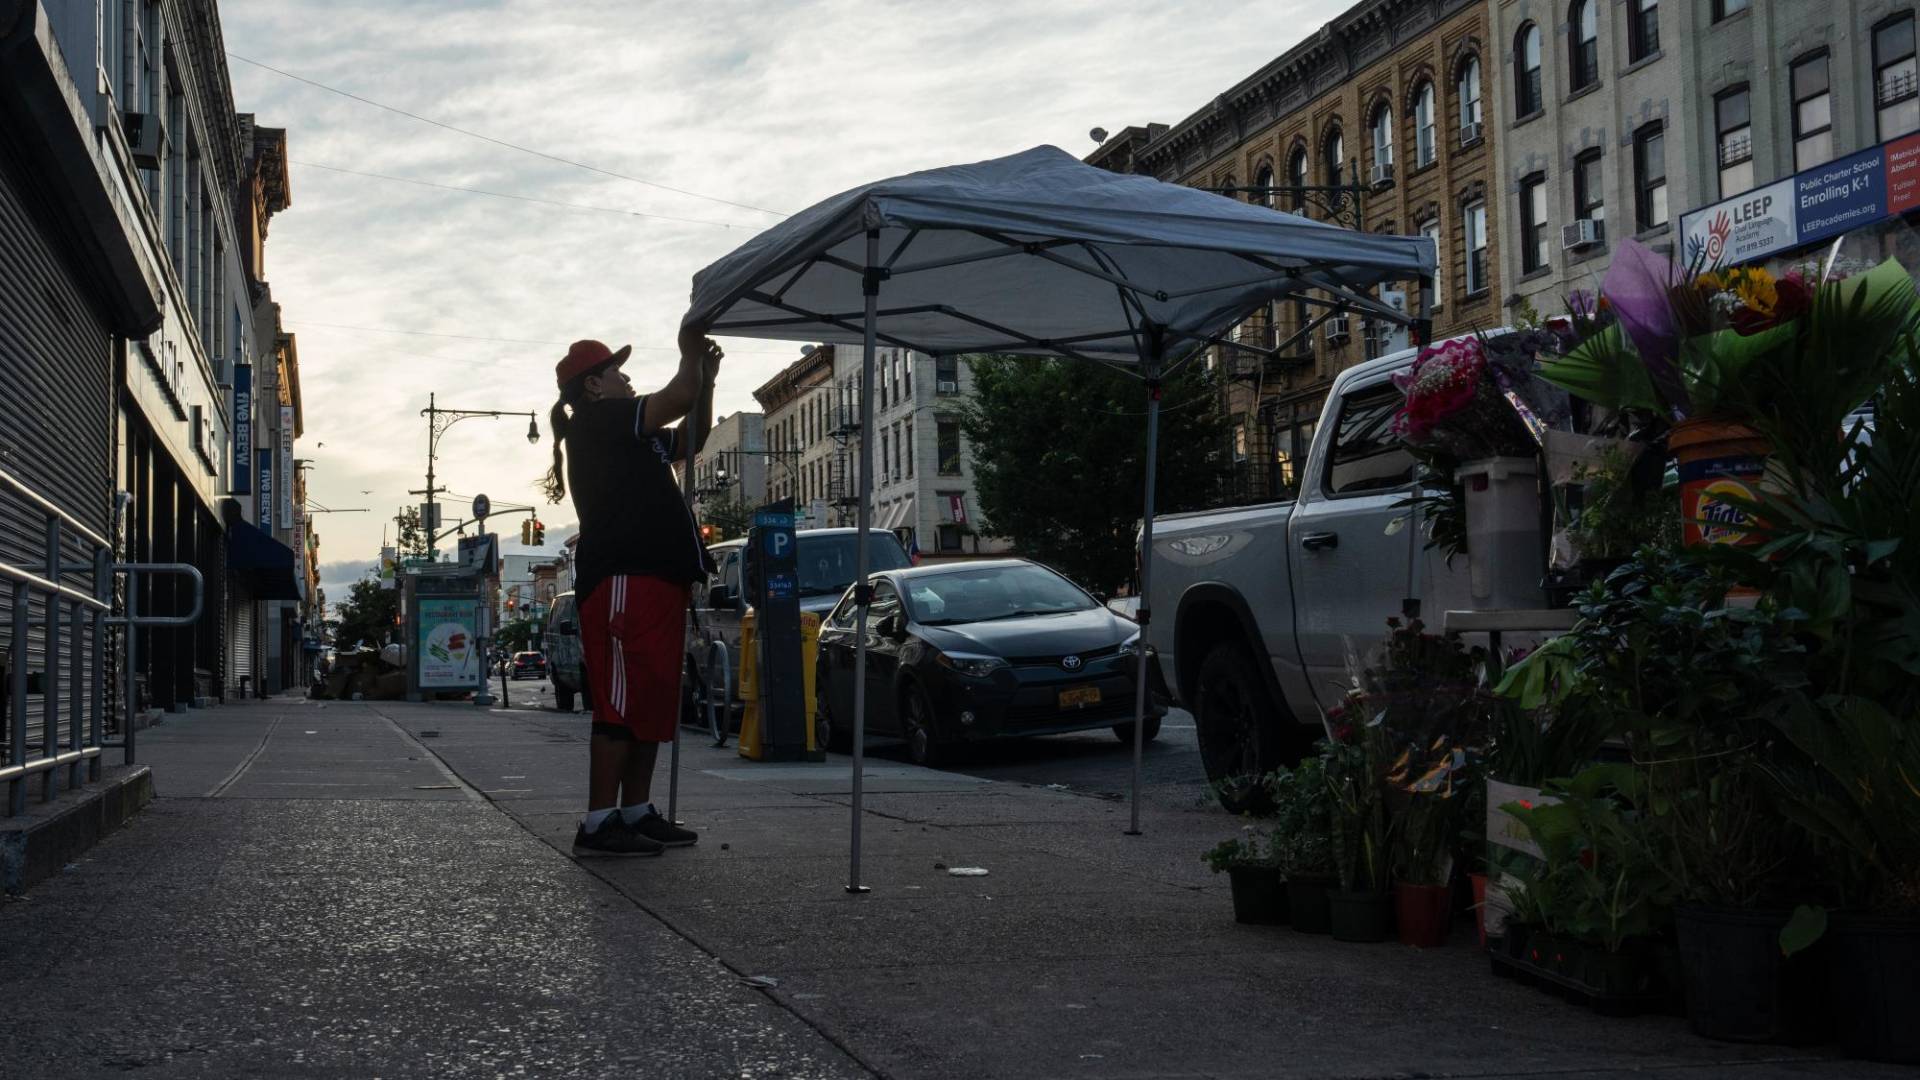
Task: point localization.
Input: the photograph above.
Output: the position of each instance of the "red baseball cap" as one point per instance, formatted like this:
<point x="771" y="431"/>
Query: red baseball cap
<point x="585" y="355"/>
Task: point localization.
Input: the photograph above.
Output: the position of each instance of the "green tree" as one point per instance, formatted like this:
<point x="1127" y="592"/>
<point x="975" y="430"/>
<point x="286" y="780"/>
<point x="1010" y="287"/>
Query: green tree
<point x="729" y="515"/>
<point x="368" y="615"/>
<point x="518" y="635"/>
<point x="1059" y="451"/>
<point x="413" y="539"/>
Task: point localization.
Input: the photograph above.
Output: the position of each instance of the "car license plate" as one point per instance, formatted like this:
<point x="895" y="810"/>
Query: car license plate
<point x="1079" y="697"/>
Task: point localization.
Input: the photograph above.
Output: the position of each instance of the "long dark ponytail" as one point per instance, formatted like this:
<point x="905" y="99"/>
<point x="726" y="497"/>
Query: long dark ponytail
<point x="560" y="420"/>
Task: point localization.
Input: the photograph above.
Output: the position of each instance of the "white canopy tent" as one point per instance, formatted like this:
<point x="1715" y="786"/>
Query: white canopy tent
<point x="1043" y="255"/>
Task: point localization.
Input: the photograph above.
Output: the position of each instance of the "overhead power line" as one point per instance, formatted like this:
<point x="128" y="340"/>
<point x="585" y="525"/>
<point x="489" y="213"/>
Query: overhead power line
<point x="499" y="142"/>
<point x="508" y="195"/>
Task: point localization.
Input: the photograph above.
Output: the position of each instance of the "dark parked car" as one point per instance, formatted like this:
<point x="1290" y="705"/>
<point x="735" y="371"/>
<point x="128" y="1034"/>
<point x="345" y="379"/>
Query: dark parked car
<point x="962" y="652"/>
<point x="562" y="641"/>
<point x="529" y="665"/>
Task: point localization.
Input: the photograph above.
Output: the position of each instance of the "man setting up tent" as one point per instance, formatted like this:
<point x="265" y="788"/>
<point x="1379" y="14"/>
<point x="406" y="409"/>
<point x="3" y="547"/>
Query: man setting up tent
<point x="639" y="554"/>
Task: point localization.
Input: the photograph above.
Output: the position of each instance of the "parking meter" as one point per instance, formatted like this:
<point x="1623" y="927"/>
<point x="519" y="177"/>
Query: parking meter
<point x="772" y="582"/>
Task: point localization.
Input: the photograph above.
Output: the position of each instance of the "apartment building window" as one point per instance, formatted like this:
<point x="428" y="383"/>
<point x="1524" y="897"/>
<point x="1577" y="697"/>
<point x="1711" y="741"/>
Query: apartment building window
<point x="1643" y="29"/>
<point x="1431" y="230"/>
<point x="1336" y="155"/>
<point x="1423" y="129"/>
<point x="1724" y="8"/>
<point x="1584" y="43"/>
<point x="1526" y="72"/>
<point x="886" y="471"/>
<point x="1263" y="182"/>
<point x="909" y="441"/>
<point x="1467" y="87"/>
<point x="1383" y="139"/>
<point x="1896" y="82"/>
<point x="1649" y="177"/>
<point x="1589" y="188"/>
<point x="1733" y="123"/>
<point x="1476" y="215"/>
<point x="1533" y="223"/>
<point x="1297" y="177"/>
<point x="946" y="374"/>
<point x="948" y="432"/>
<point x="906" y="374"/>
<point x="1812" y="112"/>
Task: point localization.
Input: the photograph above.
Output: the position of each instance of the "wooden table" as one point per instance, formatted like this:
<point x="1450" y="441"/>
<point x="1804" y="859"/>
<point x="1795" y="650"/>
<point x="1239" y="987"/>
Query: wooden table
<point x="1518" y="620"/>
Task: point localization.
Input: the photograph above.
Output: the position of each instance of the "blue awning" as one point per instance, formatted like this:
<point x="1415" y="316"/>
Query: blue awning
<point x="263" y="566"/>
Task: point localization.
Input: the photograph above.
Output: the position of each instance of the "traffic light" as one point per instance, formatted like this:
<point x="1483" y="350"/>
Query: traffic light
<point x="526" y="532"/>
<point x="539" y="533"/>
<point x="706" y="532"/>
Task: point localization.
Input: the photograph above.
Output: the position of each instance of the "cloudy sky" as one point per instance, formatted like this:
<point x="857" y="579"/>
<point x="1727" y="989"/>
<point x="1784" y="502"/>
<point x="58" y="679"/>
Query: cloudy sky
<point x="765" y="105"/>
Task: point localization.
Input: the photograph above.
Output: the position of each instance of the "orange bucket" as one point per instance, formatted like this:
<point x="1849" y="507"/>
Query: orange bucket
<point x="1716" y="460"/>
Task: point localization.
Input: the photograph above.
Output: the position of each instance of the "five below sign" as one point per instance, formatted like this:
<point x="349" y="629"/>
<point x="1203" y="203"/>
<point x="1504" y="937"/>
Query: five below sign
<point x="1810" y="206"/>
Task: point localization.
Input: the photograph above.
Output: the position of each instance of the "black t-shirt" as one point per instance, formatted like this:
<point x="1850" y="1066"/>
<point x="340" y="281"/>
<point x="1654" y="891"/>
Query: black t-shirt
<point x="632" y="517"/>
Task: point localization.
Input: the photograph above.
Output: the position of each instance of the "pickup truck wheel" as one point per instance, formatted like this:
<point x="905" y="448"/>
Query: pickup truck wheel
<point x="1238" y="728"/>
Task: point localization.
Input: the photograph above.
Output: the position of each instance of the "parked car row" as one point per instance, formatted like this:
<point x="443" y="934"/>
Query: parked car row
<point x="956" y="652"/>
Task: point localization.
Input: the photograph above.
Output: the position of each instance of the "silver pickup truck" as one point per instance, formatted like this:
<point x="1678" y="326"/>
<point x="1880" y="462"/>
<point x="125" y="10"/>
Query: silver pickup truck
<point x="1255" y="609"/>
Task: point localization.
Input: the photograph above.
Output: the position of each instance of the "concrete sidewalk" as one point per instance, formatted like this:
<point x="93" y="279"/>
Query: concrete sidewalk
<point x="329" y="889"/>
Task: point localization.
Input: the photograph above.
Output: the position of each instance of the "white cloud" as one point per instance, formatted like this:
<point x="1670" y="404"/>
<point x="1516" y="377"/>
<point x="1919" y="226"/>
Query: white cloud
<point x="772" y="105"/>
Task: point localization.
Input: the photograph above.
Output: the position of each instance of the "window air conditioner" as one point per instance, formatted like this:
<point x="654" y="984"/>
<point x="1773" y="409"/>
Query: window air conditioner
<point x="1582" y="233"/>
<point x="1382" y="173"/>
<point x="948" y="386"/>
<point x="1470" y="133"/>
<point x="1337" y="330"/>
<point x="143" y="138"/>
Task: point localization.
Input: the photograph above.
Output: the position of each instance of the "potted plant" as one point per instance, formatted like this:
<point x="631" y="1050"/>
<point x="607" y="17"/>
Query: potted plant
<point x="1428" y="785"/>
<point x="1303" y="842"/>
<point x="1253" y="872"/>
<point x="1353" y="765"/>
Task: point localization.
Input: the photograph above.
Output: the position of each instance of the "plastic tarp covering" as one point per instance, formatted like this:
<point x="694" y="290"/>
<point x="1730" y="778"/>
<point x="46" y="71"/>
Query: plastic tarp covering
<point x="1035" y="253"/>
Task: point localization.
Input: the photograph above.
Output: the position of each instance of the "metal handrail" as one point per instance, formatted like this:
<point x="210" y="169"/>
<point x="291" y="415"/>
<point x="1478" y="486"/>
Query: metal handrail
<point x="34" y="500"/>
<point x="35" y="581"/>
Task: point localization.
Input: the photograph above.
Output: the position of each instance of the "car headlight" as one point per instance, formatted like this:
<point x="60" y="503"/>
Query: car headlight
<point x="972" y="665"/>
<point x="1131" y="643"/>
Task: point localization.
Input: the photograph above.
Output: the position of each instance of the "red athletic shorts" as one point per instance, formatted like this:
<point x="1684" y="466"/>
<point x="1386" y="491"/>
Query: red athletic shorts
<point x="632" y="634"/>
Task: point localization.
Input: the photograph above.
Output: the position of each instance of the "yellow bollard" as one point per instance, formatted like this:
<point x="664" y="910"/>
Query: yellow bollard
<point x="809" y="652"/>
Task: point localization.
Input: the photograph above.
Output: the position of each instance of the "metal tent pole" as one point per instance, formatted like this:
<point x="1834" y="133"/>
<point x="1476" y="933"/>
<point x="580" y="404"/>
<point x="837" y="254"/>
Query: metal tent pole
<point x="1156" y="352"/>
<point x="689" y="437"/>
<point x="863" y="589"/>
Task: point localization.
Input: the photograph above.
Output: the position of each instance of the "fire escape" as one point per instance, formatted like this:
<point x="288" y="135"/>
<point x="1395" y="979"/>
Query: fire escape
<point x="843" y="470"/>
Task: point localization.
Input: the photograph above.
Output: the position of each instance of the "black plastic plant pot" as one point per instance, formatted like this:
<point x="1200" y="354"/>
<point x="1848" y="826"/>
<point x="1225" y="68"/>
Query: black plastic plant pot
<point x="1258" y="895"/>
<point x="1612" y="974"/>
<point x="1876" y="991"/>
<point x="1741" y="988"/>
<point x="1307" y="905"/>
<point x="1361" y="916"/>
<point x="1551" y="952"/>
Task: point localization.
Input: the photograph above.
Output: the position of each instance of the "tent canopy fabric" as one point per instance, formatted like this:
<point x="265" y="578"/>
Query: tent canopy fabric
<point x="261" y="563"/>
<point x="1037" y="253"/>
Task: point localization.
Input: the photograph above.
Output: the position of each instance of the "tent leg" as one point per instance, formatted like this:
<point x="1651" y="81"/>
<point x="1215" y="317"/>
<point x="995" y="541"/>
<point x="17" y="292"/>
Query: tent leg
<point x="863" y="596"/>
<point x="1146" y="572"/>
<point x="686" y="617"/>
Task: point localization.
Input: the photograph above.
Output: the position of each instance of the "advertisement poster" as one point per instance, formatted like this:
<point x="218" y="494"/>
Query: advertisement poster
<point x="388" y="562"/>
<point x="243" y="429"/>
<point x="449" y="651"/>
<point x="264" y="459"/>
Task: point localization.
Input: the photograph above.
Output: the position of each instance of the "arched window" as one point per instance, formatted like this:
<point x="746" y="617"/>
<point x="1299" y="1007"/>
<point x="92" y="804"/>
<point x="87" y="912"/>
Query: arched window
<point x="1263" y="181"/>
<point x="1336" y="148"/>
<point x="1527" y="97"/>
<point x="1297" y="176"/>
<point x="1466" y="85"/>
<point x="1424" y="136"/>
<point x="1382" y="128"/>
<point x="1583" y="46"/>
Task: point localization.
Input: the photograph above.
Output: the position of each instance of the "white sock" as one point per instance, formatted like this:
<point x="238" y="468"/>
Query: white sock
<point x="596" y="818"/>
<point x="632" y="814"/>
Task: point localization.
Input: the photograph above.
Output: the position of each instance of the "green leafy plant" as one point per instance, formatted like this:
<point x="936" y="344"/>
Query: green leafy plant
<point x="1604" y="869"/>
<point x="1302" y="820"/>
<point x="1253" y="847"/>
<point x="1429" y="791"/>
<point x="1617" y="518"/>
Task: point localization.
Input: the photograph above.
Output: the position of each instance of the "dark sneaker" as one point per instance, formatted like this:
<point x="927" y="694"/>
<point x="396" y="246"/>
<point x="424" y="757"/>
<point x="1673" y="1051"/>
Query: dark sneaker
<point x="613" y="838"/>
<point x="659" y="830"/>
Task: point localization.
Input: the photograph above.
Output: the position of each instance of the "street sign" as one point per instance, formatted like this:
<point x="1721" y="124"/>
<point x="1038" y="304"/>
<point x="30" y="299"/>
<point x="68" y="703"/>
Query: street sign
<point x="477" y="554"/>
<point x="481" y="508"/>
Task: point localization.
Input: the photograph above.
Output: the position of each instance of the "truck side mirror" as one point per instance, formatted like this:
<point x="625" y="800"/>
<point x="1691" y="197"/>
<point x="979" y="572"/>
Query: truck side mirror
<point x="719" y="596"/>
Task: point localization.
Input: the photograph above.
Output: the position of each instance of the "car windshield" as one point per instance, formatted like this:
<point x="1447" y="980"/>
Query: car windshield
<point x="827" y="561"/>
<point x="992" y="591"/>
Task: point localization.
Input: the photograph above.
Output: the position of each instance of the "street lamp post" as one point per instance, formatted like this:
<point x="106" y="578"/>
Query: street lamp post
<point x="438" y="421"/>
